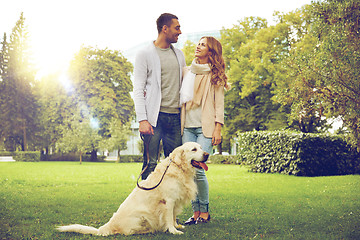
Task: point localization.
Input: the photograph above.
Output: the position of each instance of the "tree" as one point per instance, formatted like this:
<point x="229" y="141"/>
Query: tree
<point x="4" y="58"/>
<point x="119" y="135"/>
<point x="253" y="53"/>
<point x="57" y="106"/>
<point x="189" y="52"/>
<point x="324" y="67"/>
<point x="101" y="79"/>
<point x="79" y="136"/>
<point x="304" y="115"/>
<point x="4" y="55"/>
<point x="18" y="103"/>
<point x="232" y="39"/>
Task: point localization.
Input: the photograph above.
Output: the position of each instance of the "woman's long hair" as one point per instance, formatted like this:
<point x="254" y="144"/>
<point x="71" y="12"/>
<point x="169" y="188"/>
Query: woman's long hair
<point x="217" y="62"/>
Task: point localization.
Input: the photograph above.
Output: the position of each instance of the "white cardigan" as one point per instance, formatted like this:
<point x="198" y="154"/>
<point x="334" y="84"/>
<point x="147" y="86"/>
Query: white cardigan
<point x="147" y="82"/>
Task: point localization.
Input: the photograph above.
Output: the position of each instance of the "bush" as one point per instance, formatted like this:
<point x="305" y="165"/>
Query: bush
<point x="27" y="156"/>
<point x="224" y="159"/>
<point x="5" y="154"/>
<point x="71" y="157"/>
<point x="131" y="158"/>
<point x="298" y="153"/>
<point x="216" y="159"/>
<point x="75" y="157"/>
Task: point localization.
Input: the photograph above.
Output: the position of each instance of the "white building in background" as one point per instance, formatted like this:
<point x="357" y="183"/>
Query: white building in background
<point x="132" y="144"/>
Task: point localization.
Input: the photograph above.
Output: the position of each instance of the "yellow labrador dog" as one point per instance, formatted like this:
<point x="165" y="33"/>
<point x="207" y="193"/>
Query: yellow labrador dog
<point x="155" y="210"/>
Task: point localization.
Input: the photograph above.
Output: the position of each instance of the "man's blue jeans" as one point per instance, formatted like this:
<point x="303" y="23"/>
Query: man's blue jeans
<point x="201" y="203"/>
<point x="168" y="130"/>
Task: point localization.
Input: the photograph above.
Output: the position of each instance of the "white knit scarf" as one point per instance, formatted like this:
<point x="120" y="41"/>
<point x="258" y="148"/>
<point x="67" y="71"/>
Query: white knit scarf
<point x="187" y="87"/>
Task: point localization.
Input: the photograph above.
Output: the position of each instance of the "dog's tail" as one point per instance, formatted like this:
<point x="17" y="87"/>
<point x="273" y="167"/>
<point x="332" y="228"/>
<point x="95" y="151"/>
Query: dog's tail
<point x="79" y="229"/>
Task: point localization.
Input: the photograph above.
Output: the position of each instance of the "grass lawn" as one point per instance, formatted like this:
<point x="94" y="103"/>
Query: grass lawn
<point x="36" y="197"/>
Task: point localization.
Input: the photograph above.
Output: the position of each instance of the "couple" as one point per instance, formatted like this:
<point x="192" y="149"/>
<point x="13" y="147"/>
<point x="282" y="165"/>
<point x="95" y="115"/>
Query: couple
<point x="178" y="104"/>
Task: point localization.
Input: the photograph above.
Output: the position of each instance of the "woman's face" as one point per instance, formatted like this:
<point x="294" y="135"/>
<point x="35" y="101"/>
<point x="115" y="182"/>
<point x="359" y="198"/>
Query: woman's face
<point x="202" y="51"/>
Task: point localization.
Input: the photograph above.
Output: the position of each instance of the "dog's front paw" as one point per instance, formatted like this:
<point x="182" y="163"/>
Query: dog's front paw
<point x="174" y="231"/>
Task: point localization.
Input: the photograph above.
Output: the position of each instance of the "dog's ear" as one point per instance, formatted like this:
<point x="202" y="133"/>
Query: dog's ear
<point x="177" y="155"/>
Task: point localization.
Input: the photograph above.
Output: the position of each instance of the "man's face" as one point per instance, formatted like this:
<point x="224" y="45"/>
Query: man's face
<point x="173" y="32"/>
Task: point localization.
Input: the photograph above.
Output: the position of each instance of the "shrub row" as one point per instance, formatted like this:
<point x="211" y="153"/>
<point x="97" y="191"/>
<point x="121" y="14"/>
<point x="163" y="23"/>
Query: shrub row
<point x="28" y="156"/>
<point x="74" y="157"/>
<point x="5" y="154"/>
<point x="131" y="158"/>
<point x="71" y="157"/>
<point x="297" y="153"/>
<point x="224" y="159"/>
<point x="215" y="159"/>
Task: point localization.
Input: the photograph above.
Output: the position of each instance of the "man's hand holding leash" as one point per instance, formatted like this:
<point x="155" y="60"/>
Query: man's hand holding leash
<point x="145" y="128"/>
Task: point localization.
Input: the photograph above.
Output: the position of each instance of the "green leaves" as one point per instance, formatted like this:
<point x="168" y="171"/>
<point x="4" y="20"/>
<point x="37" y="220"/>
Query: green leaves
<point x="297" y="153"/>
<point x="102" y="79"/>
<point x="323" y="66"/>
<point x="252" y="50"/>
<point x="18" y="106"/>
<point x="189" y="52"/>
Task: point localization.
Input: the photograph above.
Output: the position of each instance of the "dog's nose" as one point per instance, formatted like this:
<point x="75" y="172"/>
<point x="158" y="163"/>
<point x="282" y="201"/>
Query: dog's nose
<point x="206" y="156"/>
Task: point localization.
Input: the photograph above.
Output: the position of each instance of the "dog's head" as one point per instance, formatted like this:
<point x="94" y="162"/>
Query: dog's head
<point x="193" y="154"/>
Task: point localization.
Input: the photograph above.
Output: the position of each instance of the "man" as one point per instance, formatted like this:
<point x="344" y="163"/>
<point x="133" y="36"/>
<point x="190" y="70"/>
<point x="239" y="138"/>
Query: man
<point x="157" y="80"/>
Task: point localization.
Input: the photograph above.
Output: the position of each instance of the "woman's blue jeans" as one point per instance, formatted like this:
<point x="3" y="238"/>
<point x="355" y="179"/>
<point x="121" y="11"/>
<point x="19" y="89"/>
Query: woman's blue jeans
<point x="201" y="203"/>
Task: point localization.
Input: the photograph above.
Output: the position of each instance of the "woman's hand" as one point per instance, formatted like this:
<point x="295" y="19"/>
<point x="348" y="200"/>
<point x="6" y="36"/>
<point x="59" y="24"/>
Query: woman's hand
<point x="216" y="137"/>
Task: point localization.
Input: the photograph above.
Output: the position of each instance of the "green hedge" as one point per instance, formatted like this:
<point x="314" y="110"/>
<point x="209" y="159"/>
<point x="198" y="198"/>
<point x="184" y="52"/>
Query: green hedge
<point x="215" y="159"/>
<point x="74" y="157"/>
<point x="27" y="156"/>
<point x="224" y="159"/>
<point x="131" y="158"/>
<point x="5" y="154"/>
<point x="71" y="157"/>
<point x="297" y="153"/>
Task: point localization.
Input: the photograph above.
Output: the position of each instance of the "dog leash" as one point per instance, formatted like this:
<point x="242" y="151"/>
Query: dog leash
<point x="147" y="141"/>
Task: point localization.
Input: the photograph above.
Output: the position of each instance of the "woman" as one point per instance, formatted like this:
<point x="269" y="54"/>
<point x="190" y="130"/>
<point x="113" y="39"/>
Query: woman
<point x="202" y="113"/>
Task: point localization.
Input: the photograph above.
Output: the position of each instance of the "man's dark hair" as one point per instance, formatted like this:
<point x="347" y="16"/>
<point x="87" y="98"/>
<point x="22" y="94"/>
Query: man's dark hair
<point x="164" y="19"/>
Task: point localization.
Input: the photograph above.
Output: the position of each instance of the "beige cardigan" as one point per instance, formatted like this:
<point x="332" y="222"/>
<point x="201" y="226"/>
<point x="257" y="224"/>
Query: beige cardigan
<point x="212" y="107"/>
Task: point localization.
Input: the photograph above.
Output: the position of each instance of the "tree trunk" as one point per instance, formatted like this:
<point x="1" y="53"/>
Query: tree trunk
<point x="118" y="156"/>
<point x="80" y="157"/>
<point x="24" y="136"/>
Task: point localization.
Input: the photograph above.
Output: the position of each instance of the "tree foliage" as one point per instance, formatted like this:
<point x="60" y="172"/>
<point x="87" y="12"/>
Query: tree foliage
<point x="78" y="135"/>
<point x="57" y="106"/>
<point x="101" y="79"/>
<point x="18" y="103"/>
<point x="119" y="135"/>
<point x="324" y="66"/>
<point x="253" y="55"/>
<point x="189" y="52"/>
<point x="305" y="114"/>
<point x="102" y="86"/>
<point x="289" y="75"/>
<point x="43" y="114"/>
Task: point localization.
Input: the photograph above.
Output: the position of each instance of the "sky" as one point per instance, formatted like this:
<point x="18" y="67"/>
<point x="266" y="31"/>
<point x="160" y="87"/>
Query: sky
<point x="58" y="28"/>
